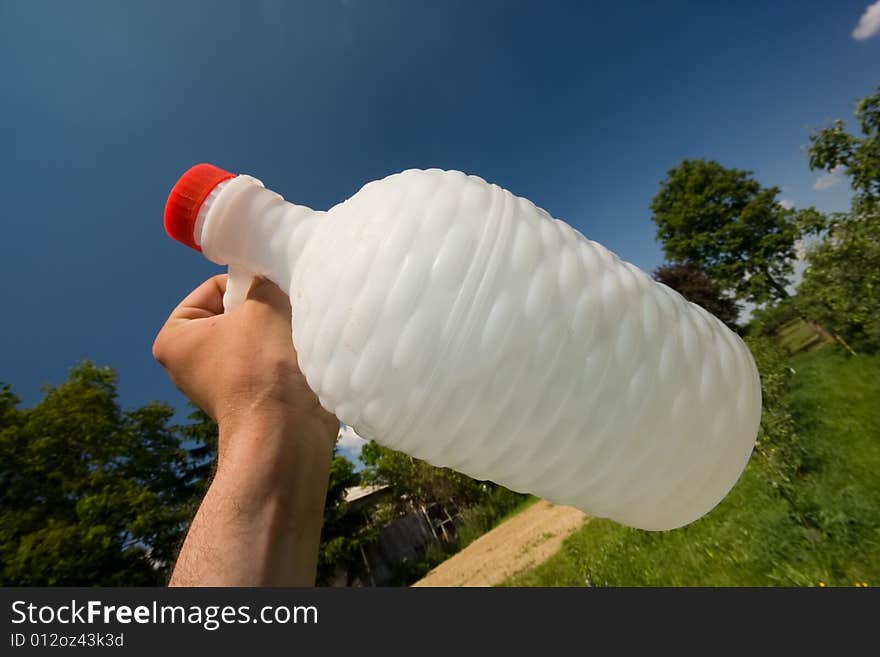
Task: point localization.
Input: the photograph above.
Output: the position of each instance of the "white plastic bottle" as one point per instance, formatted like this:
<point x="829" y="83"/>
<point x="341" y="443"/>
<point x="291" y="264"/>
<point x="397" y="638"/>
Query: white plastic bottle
<point x="447" y="318"/>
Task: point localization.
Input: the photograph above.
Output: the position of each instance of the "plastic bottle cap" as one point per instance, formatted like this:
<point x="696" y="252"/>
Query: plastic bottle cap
<point x="185" y="199"/>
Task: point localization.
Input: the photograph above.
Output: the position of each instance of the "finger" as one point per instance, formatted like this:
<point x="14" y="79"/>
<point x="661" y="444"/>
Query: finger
<point x="205" y="301"/>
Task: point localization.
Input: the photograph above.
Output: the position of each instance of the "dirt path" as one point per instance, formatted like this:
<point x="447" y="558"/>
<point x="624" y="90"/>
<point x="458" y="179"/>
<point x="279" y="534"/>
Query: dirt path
<point x="524" y="541"/>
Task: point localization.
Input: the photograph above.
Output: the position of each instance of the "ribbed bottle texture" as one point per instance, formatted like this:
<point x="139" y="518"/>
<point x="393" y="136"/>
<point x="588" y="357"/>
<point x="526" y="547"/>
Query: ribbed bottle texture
<point x="447" y="318"/>
<point x="461" y="324"/>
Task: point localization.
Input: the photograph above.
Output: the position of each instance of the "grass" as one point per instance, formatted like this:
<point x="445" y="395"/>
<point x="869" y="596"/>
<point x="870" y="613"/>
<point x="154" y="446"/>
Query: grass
<point x="820" y="529"/>
<point x="837" y="408"/>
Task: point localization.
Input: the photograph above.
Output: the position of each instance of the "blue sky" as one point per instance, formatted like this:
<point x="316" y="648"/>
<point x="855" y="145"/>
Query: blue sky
<point x="580" y="106"/>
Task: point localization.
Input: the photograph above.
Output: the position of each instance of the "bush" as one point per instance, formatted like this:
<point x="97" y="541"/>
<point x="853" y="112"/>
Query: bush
<point x="777" y="441"/>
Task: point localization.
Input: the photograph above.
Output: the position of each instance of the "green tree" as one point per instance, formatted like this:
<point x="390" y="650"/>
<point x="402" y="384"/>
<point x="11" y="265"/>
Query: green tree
<point x="92" y="495"/>
<point x="200" y="438"/>
<point x="833" y="149"/>
<point x="417" y="480"/>
<point x="344" y="530"/>
<point x="730" y="226"/>
<point x="697" y="287"/>
<point x="841" y="285"/>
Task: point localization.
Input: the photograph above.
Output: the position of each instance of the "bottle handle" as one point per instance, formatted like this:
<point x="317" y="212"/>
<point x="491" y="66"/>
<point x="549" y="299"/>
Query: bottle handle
<point x="237" y="286"/>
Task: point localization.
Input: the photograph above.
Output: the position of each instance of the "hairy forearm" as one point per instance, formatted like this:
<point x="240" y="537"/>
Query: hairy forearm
<point x="260" y="521"/>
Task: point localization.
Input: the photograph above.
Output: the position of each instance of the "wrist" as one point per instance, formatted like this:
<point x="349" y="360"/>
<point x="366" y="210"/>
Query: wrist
<point x="274" y="448"/>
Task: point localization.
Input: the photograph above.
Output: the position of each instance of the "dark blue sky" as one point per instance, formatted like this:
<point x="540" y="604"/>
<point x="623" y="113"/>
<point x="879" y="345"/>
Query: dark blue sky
<point x="579" y="106"/>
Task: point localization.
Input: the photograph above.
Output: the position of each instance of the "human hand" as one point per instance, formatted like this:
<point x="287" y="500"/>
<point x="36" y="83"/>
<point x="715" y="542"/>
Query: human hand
<point x="260" y="521"/>
<point x="238" y="367"/>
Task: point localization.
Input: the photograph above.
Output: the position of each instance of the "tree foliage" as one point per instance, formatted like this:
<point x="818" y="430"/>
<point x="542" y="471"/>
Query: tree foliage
<point x="730" y="226"/>
<point x="841" y="285"/>
<point x="419" y="481"/>
<point x="345" y="531"/>
<point x="778" y="441"/>
<point x="697" y="287"/>
<point x="95" y="495"/>
<point x="833" y="149"/>
<point x="92" y="495"/>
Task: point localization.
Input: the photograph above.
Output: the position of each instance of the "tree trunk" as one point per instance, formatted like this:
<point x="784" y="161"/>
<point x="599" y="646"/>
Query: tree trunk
<point x="777" y="286"/>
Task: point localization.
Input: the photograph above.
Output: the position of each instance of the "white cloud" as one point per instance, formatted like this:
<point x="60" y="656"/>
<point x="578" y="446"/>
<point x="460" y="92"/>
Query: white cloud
<point x="830" y="179"/>
<point x="869" y="23"/>
<point x="788" y="205"/>
<point x="349" y="441"/>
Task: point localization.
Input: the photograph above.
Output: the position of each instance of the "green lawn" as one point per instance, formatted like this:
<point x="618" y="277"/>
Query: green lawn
<point x="823" y="528"/>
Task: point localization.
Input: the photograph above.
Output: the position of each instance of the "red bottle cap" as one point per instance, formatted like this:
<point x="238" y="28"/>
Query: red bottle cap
<point x="185" y="199"/>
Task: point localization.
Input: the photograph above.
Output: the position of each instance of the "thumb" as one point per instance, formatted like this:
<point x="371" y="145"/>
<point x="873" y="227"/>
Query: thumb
<point x="264" y="291"/>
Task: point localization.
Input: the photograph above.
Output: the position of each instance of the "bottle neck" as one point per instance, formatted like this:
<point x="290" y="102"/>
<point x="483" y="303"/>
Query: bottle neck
<point x="242" y="223"/>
